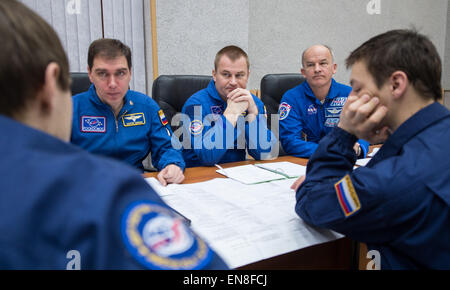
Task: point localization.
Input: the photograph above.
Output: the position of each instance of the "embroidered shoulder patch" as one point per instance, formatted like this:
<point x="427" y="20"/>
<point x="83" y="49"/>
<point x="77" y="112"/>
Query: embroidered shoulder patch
<point x="133" y="119"/>
<point x="284" y="110"/>
<point x="160" y="241"/>
<point x="196" y="127"/>
<point x="93" y="124"/>
<point x="347" y="197"/>
<point x="162" y="117"/>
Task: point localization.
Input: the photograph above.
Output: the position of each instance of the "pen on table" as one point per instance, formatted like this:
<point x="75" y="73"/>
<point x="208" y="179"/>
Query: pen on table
<point x="223" y="170"/>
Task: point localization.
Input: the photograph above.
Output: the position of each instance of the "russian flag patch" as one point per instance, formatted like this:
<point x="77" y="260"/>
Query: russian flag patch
<point x="347" y="197"/>
<point x="162" y="117"/>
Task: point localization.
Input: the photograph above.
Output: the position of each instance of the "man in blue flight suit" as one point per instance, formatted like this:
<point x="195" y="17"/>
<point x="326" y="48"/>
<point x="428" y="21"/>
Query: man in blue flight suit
<point x="399" y="204"/>
<point x="311" y="110"/>
<point x="111" y="120"/>
<point x="62" y="207"/>
<point x="225" y="119"/>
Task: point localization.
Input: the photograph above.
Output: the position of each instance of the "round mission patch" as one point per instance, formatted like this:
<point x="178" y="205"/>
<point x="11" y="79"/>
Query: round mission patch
<point x="284" y="110"/>
<point x="160" y="241"/>
<point x="196" y="127"/>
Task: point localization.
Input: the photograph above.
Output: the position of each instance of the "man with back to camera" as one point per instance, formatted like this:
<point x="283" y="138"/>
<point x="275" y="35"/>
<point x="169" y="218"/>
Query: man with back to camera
<point x="225" y="119"/>
<point x="71" y="200"/>
<point x="311" y="110"/>
<point x="399" y="203"/>
<point x="112" y="120"/>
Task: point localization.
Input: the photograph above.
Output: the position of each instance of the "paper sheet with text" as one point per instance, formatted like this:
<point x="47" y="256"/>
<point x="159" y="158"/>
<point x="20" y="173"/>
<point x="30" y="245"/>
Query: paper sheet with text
<point x="243" y="223"/>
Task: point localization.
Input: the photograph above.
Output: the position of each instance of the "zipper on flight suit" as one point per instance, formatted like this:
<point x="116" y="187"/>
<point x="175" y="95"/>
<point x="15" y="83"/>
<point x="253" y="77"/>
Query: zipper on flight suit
<point x="117" y="119"/>
<point x="322" y="118"/>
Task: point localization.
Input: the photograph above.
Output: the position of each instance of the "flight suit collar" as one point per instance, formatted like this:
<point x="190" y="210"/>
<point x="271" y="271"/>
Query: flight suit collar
<point x="94" y="97"/>
<point x="212" y="91"/>
<point x="410" y="128"/>
<point x="332" y="93"/>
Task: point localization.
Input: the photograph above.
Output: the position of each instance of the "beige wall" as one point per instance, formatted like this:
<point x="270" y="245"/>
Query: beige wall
<point x="273" y="32"/>
<point x="447" y="99"/>
<point x="281" y="29"/>
<point x="446" y="60"/>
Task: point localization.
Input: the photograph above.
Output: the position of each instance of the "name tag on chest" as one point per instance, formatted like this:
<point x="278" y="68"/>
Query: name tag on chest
<point x="132" y="120"/>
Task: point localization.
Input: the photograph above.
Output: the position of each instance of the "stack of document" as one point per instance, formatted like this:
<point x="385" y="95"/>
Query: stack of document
<point x="263" y="172"/>
<point x="363" y="162"/>
<point x="243" y="223"/>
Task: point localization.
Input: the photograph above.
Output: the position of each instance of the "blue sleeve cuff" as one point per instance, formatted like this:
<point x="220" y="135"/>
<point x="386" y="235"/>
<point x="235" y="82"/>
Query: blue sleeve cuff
<point x="179" y="164"/>
<point x="343" y="138"/>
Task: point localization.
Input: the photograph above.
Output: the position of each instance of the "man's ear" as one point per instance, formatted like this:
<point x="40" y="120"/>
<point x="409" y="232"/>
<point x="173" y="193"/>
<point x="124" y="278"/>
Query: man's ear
<point x="46" y="97"/>
<point x="302" y="71"/>
<point x="90" y="74"/>
<point x="334" y="68"/>
<point x="214" y="75"/>
<point x="399" y="84"/>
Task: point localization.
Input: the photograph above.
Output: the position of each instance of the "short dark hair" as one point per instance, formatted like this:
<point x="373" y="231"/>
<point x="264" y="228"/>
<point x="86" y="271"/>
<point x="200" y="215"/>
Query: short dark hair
<point x="109" y="49"/>
<point x="28" y="46"/>
<point x="233" y="52"/>
<point x="404" y="50"/>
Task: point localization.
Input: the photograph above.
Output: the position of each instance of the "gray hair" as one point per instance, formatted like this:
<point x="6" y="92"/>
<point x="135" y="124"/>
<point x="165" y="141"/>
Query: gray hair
<point x="324" y="45"/>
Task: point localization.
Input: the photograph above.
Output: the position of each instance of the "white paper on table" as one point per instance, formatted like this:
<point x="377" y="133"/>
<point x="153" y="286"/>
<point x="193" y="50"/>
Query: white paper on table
<point x="374" y="151"/>
<point x="243" y="223"/>
<point x="363" y="162"/>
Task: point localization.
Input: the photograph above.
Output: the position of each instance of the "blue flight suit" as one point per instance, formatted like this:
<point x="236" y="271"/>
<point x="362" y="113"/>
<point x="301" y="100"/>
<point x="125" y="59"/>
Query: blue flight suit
<point x="57" y="198"/>
<point x="304" y="120"/>
<point x="140" y="128"/>
<point x="213" y="139"/>
<point x="399" y="204"/>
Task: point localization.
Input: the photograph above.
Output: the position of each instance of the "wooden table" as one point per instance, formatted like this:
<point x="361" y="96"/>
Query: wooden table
<point x="199" y="174"/>
<point x="337" y="254"/>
